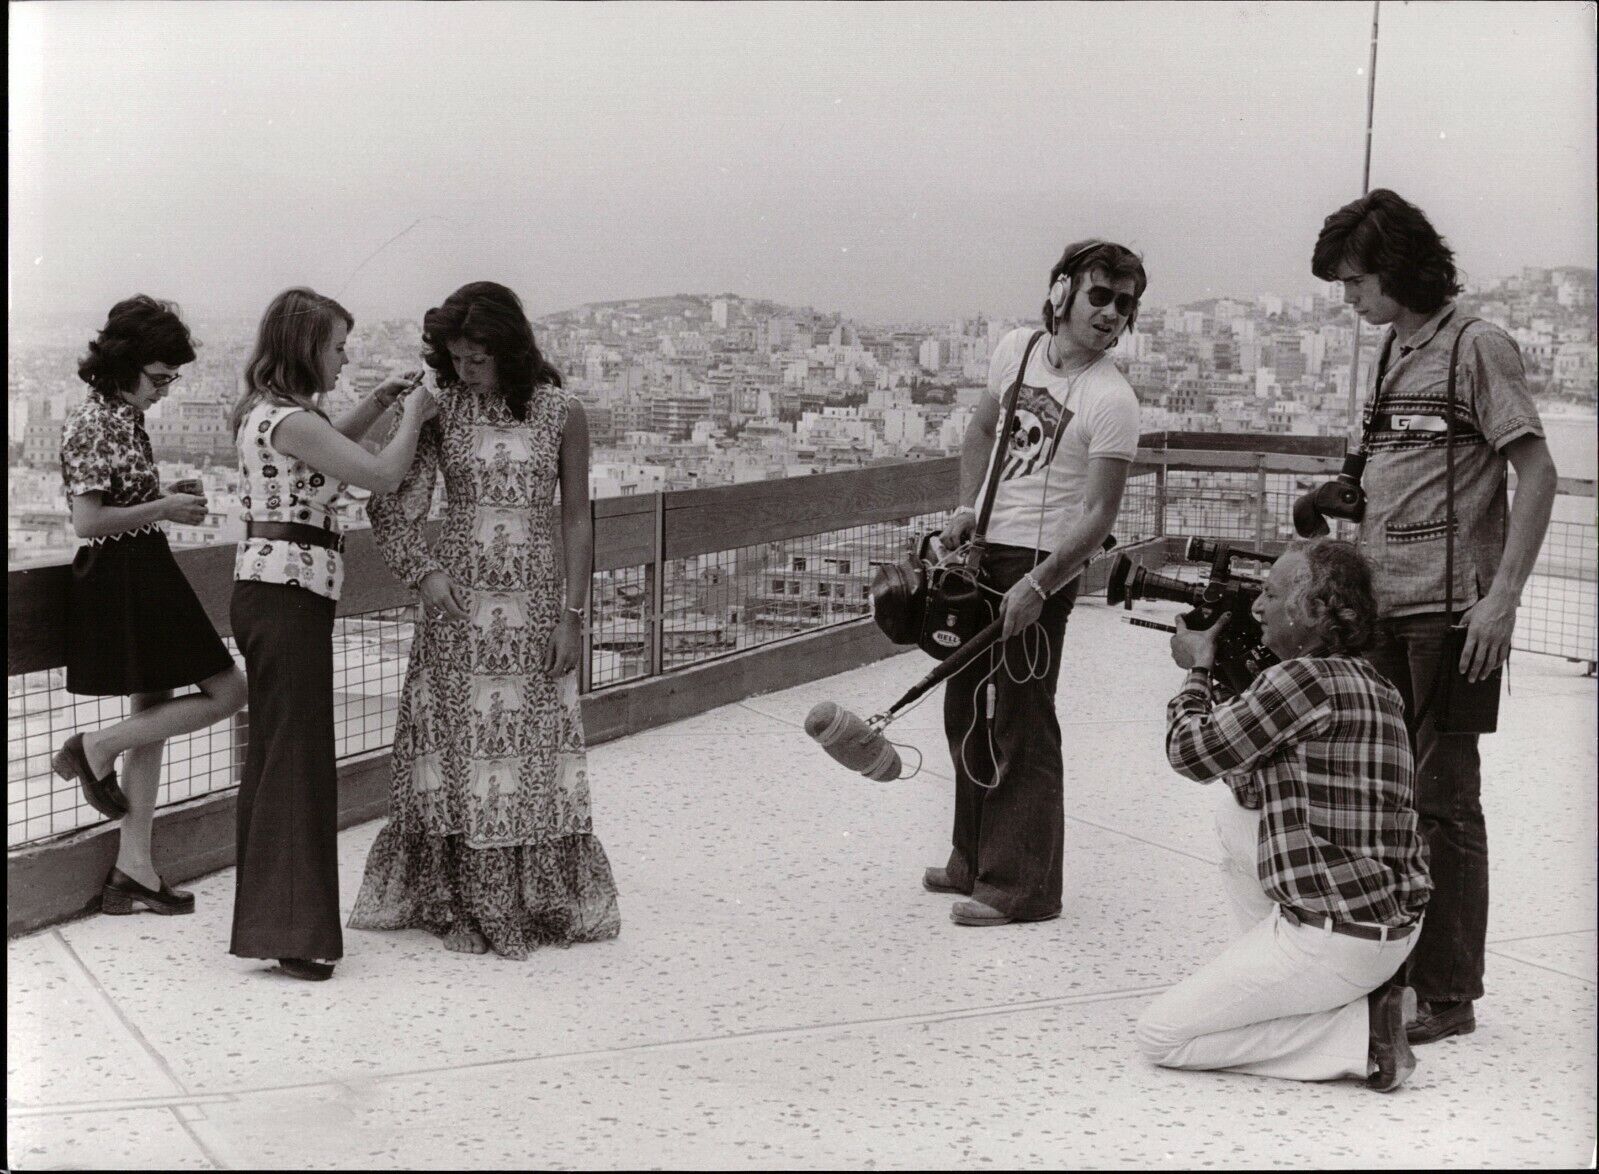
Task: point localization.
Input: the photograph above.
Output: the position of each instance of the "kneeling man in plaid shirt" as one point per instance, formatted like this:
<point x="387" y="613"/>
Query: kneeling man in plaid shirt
<point x="1324" y="865"/>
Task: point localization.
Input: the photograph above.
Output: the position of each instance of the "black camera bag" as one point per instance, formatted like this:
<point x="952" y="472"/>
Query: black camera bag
<point x="939" y="608"/>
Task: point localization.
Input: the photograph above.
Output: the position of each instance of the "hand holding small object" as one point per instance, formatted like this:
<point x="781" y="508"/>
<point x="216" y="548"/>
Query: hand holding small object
<point x="1021" y="607"/>
<point x="392" y="388"/>
<point x="959" y="528"/>
<point x="186" y="508"/>
<point x="422" y="403"/>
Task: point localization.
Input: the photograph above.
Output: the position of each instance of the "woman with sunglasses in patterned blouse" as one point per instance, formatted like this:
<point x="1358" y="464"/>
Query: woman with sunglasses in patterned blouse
<point x="134" y="626"/>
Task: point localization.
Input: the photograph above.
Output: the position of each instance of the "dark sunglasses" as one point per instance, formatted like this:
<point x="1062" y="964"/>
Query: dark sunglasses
<point x="160" y="381"/>
<point x="1103" y="295"/>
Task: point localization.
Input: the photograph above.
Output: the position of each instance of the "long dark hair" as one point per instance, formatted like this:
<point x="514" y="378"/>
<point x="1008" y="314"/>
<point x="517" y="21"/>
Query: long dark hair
<point x="490" y="315"/>
<point x="1391" y="237"/>
<point x="285" y="365"/>
<point x="139" y="330"/>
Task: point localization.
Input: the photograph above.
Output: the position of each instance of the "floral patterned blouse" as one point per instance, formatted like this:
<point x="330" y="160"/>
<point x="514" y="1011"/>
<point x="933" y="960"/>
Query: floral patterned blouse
<point x="105" y="450"/>
<point x="281" y="488"/>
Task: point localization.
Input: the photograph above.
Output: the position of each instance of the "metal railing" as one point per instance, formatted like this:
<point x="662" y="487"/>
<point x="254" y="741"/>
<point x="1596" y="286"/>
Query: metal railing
<point x="682" y="578"/>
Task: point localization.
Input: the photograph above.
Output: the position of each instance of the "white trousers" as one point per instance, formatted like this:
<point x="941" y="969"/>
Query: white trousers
<point x="1284" y="999"/>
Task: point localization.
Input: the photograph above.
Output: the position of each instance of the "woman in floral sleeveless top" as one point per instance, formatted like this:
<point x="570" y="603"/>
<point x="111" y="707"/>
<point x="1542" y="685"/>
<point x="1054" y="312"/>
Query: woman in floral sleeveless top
<point x="289" y="569"/>
<point x="489" y="842"/>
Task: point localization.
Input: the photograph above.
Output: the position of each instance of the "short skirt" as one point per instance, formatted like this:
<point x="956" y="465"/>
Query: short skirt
<point x="134" y="625"/>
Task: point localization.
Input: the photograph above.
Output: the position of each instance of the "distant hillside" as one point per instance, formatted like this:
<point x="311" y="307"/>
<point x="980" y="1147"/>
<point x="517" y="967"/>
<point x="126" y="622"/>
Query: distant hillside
<point x="681" y="306"/>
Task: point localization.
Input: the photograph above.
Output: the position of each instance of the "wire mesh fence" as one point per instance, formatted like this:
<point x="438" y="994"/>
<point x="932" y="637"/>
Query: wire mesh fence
<point x="647" y="619"/>
<point x="1557" y="613"/>
<point x="369" y="658"/>
<point x="619" y="627"/>
<point x="1558" y="604"/>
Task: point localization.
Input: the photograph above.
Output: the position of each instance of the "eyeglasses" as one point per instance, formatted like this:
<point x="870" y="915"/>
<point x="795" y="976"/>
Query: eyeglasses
<point x="1103" y="295"/>
<point x="159" y="381"/>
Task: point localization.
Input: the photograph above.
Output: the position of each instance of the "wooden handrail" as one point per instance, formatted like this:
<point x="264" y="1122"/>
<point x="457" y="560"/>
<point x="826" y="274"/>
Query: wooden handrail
<point x="697" y="521"/>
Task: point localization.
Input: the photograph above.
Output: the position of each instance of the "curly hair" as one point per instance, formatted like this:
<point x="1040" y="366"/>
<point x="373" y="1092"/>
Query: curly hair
<point x="490" y="315"/>
<point x="1085" y="257"/>
<point x="1336" y="595"/>
<point x="1391" y="237"/>
<point x="285" y="365"/>
<point x="139" y="330"/>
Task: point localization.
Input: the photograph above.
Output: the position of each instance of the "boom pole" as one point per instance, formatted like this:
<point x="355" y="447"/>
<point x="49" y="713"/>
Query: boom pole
<point x="1365" y="186"/>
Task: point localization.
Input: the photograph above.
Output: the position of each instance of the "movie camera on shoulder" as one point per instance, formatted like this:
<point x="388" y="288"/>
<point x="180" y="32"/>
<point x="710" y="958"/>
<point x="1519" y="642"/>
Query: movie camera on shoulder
<point x="1240" y="655"/>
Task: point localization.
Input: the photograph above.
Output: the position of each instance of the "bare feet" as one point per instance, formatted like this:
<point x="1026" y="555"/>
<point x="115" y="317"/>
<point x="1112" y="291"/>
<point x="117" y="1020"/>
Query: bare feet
<point x="466" y="941"/>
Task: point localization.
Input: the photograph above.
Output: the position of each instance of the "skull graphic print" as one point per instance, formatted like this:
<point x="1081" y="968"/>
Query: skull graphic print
<point x="1034" y="432"/>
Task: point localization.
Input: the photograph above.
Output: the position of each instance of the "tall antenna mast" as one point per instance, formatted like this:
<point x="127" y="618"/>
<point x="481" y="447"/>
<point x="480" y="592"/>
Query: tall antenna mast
<point x="1365" y="186"/>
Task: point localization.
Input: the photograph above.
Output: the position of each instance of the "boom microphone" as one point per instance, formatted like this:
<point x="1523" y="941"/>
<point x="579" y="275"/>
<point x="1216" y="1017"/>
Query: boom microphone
<point x="852" y="742"/>
<point x="952" y="664"/>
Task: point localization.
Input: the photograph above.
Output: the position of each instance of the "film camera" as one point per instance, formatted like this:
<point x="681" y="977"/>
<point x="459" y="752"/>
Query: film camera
<point x="1240" y="656"/>
<point x="1341" y="497"/>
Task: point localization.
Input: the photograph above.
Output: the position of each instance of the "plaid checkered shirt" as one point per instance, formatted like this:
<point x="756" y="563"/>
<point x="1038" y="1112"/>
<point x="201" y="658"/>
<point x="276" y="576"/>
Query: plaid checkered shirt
<point x="1319" y="743"/>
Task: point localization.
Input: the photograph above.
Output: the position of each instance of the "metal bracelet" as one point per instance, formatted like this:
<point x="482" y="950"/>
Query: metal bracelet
<point x="1033" y="583"/>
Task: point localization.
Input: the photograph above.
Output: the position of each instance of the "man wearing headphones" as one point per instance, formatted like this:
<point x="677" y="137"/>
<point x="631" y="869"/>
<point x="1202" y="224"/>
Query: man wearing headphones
<point x="1072" y="438"/>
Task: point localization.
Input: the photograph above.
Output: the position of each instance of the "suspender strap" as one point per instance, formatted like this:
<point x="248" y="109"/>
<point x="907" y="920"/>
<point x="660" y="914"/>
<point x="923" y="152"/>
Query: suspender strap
<point x="1449" y="513"/>
<point x="1369" y="423"/>
<point x="1449" y="477"/>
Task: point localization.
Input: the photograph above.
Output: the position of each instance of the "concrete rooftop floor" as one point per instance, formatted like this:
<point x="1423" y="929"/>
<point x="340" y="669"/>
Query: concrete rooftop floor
<point x="784" y="994"/>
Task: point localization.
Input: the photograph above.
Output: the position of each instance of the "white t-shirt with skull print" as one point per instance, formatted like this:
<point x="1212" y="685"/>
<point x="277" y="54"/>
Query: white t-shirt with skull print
<point x="1062" y="422"/>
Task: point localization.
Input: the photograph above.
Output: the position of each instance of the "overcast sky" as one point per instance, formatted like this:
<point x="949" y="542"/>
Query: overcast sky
<point x="894" y="161"/>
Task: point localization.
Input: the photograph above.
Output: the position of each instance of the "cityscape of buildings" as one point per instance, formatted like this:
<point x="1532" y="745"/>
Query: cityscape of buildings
<point x="688" y="391"/>
<point x="691" y="391"/>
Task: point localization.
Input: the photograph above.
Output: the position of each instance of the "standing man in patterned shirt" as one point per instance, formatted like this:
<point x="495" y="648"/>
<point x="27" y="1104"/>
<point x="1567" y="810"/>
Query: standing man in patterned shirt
<point x="1323" y="862"/>
<point x="1398" y="272"/>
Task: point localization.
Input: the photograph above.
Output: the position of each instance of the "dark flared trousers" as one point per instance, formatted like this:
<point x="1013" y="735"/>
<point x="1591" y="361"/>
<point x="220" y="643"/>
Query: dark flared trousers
<point x="1446" y="965"/>
<point x="286" y="899"/>
<point x="1009" y="834"/>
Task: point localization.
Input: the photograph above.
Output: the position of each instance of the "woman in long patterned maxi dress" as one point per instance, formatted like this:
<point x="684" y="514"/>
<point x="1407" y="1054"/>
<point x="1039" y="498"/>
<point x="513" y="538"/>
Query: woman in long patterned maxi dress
<point x="490" y="842"/>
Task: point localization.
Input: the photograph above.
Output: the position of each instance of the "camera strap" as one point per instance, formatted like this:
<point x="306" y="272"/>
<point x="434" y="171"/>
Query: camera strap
<point x="1445" y="668"/>
<point x="996" y="458"/>
<point x="1368" y="425"/>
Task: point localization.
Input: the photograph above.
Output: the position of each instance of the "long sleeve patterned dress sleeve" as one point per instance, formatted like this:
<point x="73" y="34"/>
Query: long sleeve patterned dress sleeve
<point x="397" y="518"/>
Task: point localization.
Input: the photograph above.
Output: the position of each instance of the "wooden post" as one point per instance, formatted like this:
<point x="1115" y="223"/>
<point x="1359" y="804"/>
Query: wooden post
<point x="585" y="662"/>
<point x="1260" y="504"/>
<point x="656" y="579"/>
<point x="1160" y="497"/>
